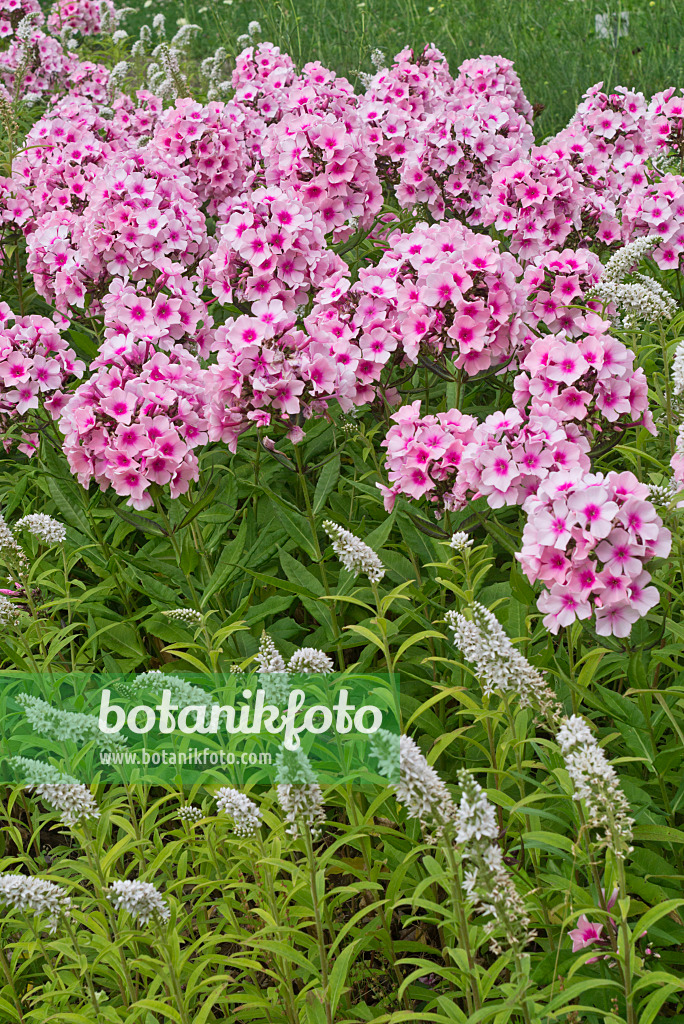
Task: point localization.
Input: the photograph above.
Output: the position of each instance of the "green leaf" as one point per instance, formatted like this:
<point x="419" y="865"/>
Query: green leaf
<point x="652" y="916"/>
<point x="658" y="834"/>
<point x="155" y="1006"/>
<point x="327" y="479"/>
<point x="297" y="527"/>
<point x="338" y="975"/>
<point x="227" y="564"/>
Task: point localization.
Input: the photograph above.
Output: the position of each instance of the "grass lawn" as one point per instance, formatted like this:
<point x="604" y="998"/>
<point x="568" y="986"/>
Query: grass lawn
<point x="554" y="43"/>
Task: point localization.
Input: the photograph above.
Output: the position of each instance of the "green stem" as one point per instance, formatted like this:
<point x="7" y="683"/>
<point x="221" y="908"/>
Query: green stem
<point x="319" y="554"/>
<point x="473" y="996"/>
<point x="320" y="937"/>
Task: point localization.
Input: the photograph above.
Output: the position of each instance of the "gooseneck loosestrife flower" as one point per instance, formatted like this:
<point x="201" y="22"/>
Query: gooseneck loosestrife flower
<point x="63" y="793"/>
<point x="309" y="660"/>
<point x="642" y="300"/>
<point x="190" y="813"/>
<point x="597" y="785"/>
<point x="45" y="528"/>
<point x="37" y="896"/>
<point x="299" y="793"/>
<point x="142" y="900"/>
<point x="499" y="665"/>
<point x="470" y="826"/>
<point x="487" y="880"/>
<point x="355" y="556"/>
<point x="246" y="815"/>
<point x="421" y="791"/>
<point x="56" y="724"/>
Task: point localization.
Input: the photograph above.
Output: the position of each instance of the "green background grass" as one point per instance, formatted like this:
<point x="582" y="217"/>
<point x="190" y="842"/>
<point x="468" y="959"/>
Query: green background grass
<point x="553" y="42"/>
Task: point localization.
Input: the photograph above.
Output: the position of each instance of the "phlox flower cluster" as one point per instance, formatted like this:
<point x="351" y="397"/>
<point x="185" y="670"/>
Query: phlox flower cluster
<point x="270" y="248"/>
<point x="450" y="457"/>
<point x="83" y="16"/>
<point x="443" y="288"/>
<point x="207" y="142"/>
<point x="38" y="65"/>
<point x="36" y="362"/>
<point x="588" y="378"/>
<point x="588" y="538"/>
<point x="328" y="164"/>
<point x="439" y="139"/>
<point x="268" y="369"/>
<point x="203" y="236"/>
<point x="137" y="213"/>
<point x="557" y="284"/>
<point x="137" y="421"/>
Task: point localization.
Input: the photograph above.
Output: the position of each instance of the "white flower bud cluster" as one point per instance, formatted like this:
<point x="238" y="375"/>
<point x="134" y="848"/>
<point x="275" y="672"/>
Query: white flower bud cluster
<point x="299" y="793"/>
<point x="26" y="893"/>
<point x="184" y="35"/>
<point x="644" y="299"/>
<point x="421" y="791"/>
<point x="10" y="549"/>
<point x="45" y="528"/>
<point x="628" y="258"/>
<point x="190" y="813"/>
<point x="56" y="724"/>
<point x="181" y="692"/>
<point x="74" y="801"/>
<point x="141" y="899"/>
<point x="486" y="880"/>
<point x="355" y="556"/>
<point x="117" y="76"/>
<point x="499" y="665"/>
<point x="37" y="772"/>
<point x="460" y="541"/>
<point x="597" y="784"/>
<point x="274" y="679"/>
<point x="212" y="69"/>
<point x="268" y="657"/>
<point x="245" y="813"/>
<point x="189" y="617"/>
<point x="378" y="60"/>
<point x="308" y="661"/>
<point x="678" y="370"/>
<point x="662" y="494"/>
<point x="9" y="614"/>
<point x="107" y="19"/>
<point x="302" y="806"/>
<point x="636" y="302"/>
<point x="63" y="793"/>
